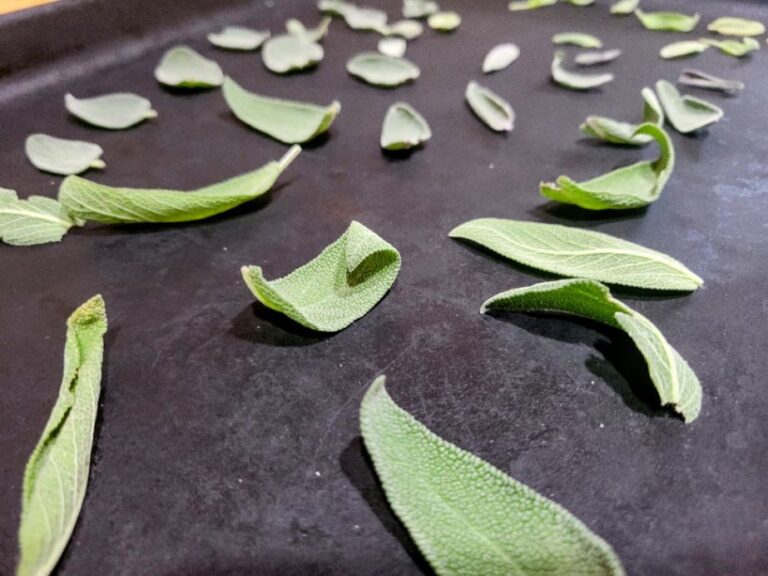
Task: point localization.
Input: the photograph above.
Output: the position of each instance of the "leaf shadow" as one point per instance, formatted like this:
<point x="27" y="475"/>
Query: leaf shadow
<point x="555" y="211"/>
<point x="395" y="156"/>
<point x="261" y="325"/>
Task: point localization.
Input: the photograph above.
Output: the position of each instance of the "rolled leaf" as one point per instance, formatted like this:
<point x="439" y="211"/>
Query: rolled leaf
<point x="730" y="26"/>
<point x="381" y="70"/>
<point x="595" y="58"/>
<point x="517" y="5"/>
<point x="492" y="109"/>
<point x="667" y="21"/>
<point x="624" y="7"/>
<point x="36" y="220"/>
<point x="682" y="49"/>
<point x="111" y="111"/>
<point x="699" y="79"/>
<point x="575" y="80"/>
<point x="624" y="133"/>
<point x="577" y="39"/>
<point x="404" y="128"/>
<point x="736" y="48"/>
<point x="182" y="67"/>
<point x="60" y="156"/>
<point x="686" y="113"/>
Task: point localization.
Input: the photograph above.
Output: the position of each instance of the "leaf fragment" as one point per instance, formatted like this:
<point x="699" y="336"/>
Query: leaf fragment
<point x="597" y="58"/>
<point x="517" y="5"/>
<point x="239" y="38"/>
<point x="419" y="8"/>
<point x="576" y="80"/>
<point x="111" y="111"/>
<point x="624" y="7"/>
<point x="682" y="49"/>
<point x="61" y="156"/>
<point x="577" y="39"/>
<point x="624" y="133"/>
<point x="36" y="220"/>
<point x="667" y="21"/>
<point x="404" y="128"/>
<point x="467" y="517"/>
<point x="336" y="288"/>
<point x="699" y="79"/>
<point x="731" y="26"/>
<point x="444" y="21"/>
<point x="686" y="113"/>
<point x="290" y="53"/>
<point x="382" y="70"/>
<point x="492" y="109"/>
<point x="183" y="67"/>
<point x="731" y="47"/>
<point x="499" y="57"/>
<point x="394" y="47"/>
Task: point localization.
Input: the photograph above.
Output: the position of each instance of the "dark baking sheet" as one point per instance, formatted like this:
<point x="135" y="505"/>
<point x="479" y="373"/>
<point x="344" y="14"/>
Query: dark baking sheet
<point x="228" y="440"/>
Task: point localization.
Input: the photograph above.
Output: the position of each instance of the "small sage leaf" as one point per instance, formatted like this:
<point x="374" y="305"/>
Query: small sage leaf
<point x="667" y="21"/>
<point x="675" y="382"/>
<point x="581" y="2"/>
<point x="182" y="67"/>
<point x="686" y="113"/>
<point x="339" y="286"/>
<point x="492" y="109"/>
<point x="596" y="58"/>
<point x="91" y="201"/>
<point x="729" y="26"/>
<point x="467" y="517"/>
<point x="682" y="49"/>
<point x="36" y="220"/>
<point x="334" y="7"/>
<point x="394" y="47"/>
<point x="408" y="29"/>
<point x="577" y="253"/>
<point x="736" y="48"/>
<point x="404" y="128"/>
<point x="112" y="111"/>
<point x="238" y="38"/>
<point x="499" y="57"/>
<point x="624" y="133"/>
<point x="444" y="21"/>
<point x="575" y="80"/>
<point x="624" y="7"/>
<point x="290" y="53"/>
<point x="382" y="70"/>
<point x="517" y="5"/>
<point x="577" y="39"/>
<point x="419" y="8"/>
<point x="364" y="18"/>
<point x="60" y="156"/>
<point x="56" y="475"/>
<point x="699" y="79"/>
<point x="316" y="34"/>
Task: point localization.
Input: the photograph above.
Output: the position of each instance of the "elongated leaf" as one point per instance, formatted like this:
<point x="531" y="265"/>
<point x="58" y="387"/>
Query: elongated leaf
<point x="36" y="220"/>
<point x="492" y="109"/>
<point x="575" y="80"/>
<point x="517" y="5"/>
<point x="239" y="38"/>
<point x="339" y="286"/>
<point x="581" y="2"/>
<point x="290" y="53"/>
<point x="699" y="79"/>
<point x="499" y="57"/>
<point x="736" y="48"/>
<point x="60" y="156"/>
<point x="394" y="47"/>
<point x="467" y="517"/>
<point x="182" y="67"/>
<point x="624" y="7"/>
<point x="730" y="26"/>
<point x="577" y="39"/>
<point x="667" y="21"/>
<point x="567" y="251"/>
<point x="419" y="8"/>
<point x="404" y="128"/>
<point x="112" y="111"/>
<point x="627" y="187"/>
<point x="624" y="133"/>
<point x="444" y="21"/>
<point x="595" y="58"/>
<point x="408" y="29"/>
<point x="686" y="113"/>
<point x="284" y="120"/>
<point x="382" y="70"/>
<point x="682" y="49"/>
<point x="675" y="382"/>
<point x="56" y="476"/>
<point x="91" y="201"/>
<point x="316" y="34"/>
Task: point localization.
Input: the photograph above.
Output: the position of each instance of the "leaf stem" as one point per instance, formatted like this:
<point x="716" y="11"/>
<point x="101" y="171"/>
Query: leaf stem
<point x="289" y="157"/>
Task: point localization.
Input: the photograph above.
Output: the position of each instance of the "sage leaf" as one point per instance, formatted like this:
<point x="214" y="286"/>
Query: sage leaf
<point x="686" y="113"/>
<point x="408" y="29"/>
<point x="37" y="220"/>
<point x="382" y="70"/>
<point x="444" y="21"/>
<point x="517" y="5"/>
<point x="575" y="80"/>
<point x="60" y="156"/>
<point x="667" y="21"/>
<point x="674" y="380"/>
<point x="364" y="18"/>
<point x="404" y="128"/>
<point x="577" y="253"/>
<point x="56" y="475"/>
<point x="624" y="7"/>
<point x="581" y="2"/>
<point x="91" y="201"/>
<point x="730" y="26"/>
<point x="492" y="109"/>
<point x="682" y="49"/>
<point x="467" y="517"/>
<point x="624" y="133"/>
<point x="112" y="111"/>
<point x="238" y="38"/>
<point x="394" y="47"/>
<point x="596" y="58"/>
<point x="294" y="27"/>
<point x="500" y="57"/>
<point x="737" y="48"/>
<point x="339" y="286"/>
<point x="182" y="67"/>
<point x="633" y="186"/>
<point x="419" y="8"/>
<point x="290" y="53"/>
<point x="699" y="79"/>
<point x="334" y="7"/>
<point x="288" y="121"/>
<point x="577" y="39"/>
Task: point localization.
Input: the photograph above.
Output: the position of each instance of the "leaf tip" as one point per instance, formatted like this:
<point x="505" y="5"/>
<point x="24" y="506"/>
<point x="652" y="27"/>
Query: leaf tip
<point x="93" y="311"/>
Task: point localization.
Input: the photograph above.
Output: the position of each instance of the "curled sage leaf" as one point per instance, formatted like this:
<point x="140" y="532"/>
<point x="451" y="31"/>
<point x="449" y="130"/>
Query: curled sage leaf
<point x="408" y="29"/>
<point x="382" y="70"/>
<point x="404" y="128"/>
<point x="699" y="79"/>
<point x="238" y="38"/>
<point x="91" y="201"/>
<point x="36" y="220"/>
<point x="499" y="57"/>
<point x="112" y="111"/>
<point x="674" y="380"/>
<point x="736" y="48"/>
<point x="419" y="8"/>
<point x="686" y="113"/>
<point x="682" y="49"/>
<point x="182" y="67"/>
<point x="624" y="7"/>
<point x="577" y="39"/>
<point x="290" y="53"/>
<point x="624" y="133"/>
<point x="517" y="5"/>
<point x="56" y="475"/>
<point x="667" y="21"/>
<point x="730" y="26"/>
<point x="60" y="156"/>
<point x="444" y="21"/>
<point x="492" y="109"/>
<point x="596" y="58"/>
<point x="578" y="253"/>
<point x="575" y="80"/>
<point x="339" y="286"/>
<point x="394" y="47"/>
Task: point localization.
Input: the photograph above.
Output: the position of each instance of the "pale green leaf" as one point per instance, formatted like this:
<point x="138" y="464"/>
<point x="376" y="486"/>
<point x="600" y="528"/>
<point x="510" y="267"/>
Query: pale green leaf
<point x="675" y="382"/>
<point x="577" y="39"/>
<point x="316" y="34"/>
<point x="36" y="220"/>
<point x="667" y="21"/>
<point x="182" y="67"/>
<point x="394" y="47"/>
<point x="736" y="48"/>
<point x="404" y="128"/>
<point x="444" y="21"/>
<point x="91" y="201"/>
<point x="60" y="156"/>
<point x="56" y="476"/>
<point x="624" y="7"/>
<point x="408" y="29"/>
<point x="499" y="57"/>
<point x="467" y="517"/>
<point x="339" y="286"/>
<point x="365" y="18"/>
<point x="382" y="70"/>
<point x="682" y="49"/>
<point x="290" y="53"/>
<point x="699" y="79"/>
<point x="624" y="133"/>
<point x="334" y="7"/>
<point x="517" y="5"/>
<point x="239" y="38"/>
<point x="730" y="26"/>
<point x="492" y="109"/>
<point x="575" y="80"/>
<point x="581" y="2"/>
<point x="111" y="111"/>
<point x="686" y="113"/>
<point x="419" y="8"/>
<point x="288" y="121"/>
<point x="578" y="253"/>
<point x="595" y="58"/>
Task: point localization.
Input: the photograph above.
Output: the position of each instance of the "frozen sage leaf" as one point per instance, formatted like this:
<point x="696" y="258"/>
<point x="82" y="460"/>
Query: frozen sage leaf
<point x="382" y="70"/>
<point x="339" y="286"/>
<point x="403" y="128"/>
<point x="682" y="49"/>
<point x="517" y="5"/>
<point x="667" y="21"/>
<point x="238" y="38"/>
<point x="364" y="18"/>
<point x="419" y="8"/>
<point x="316" y="34"/>
<point x="394" y="47"/>
<point x="60" y="156"/>
<point x="729" y="26"/>
<point x="699" y="79"/>
<point x="444" y="21"/>
<point x="182" y="67"/>
<point x="737" y="48"/>
<point x="577" y="253"/>
<point x="500" y="57"/>
<point x="632" y="186"/>
<point x="595" y="58"/>
<point x="675" y="382"/>
<point x="624" y="7"/>
<point x="56" y="475"/>
<point x="111" y="111"/>
<point x="492" y="109"/>
<point x="290" y="53"/>
<point x="288" y="121"/>
<point x="686" y="113"/>
<point x="36" y="220"/>
<point x="624" y="133"/>
<point x="408" y="29"/>
<point x="91" y="201"/>
<point x="467" y="517"/>
<point x="577" y="39"/>
<point x="575" y="80"/>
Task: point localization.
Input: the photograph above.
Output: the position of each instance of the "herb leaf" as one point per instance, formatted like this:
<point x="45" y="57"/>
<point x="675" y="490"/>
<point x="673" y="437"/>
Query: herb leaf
<point x="499" y="57"/>
<point x="682" y="49"/>
<point x="699" y="79"/>
<point x="667" y="21"/>
<point x="595" y="58"/>
<point x="339" y="286"/>
<point x="444" y="21"/>
<point x="290" y="52"/>
<point x="238" y="38"/>
<point x="36" y="220"/>
<point x="625" y="133"/>
<point x="394" y="47"/>
<point x="382" y="70"/>
<point x="60" y="156"/>
<point x="624" y="7"/>
<point x="736" y="48"/>
<point x="574" y="80"/>
<point x="296" y="28"/>
<point x="686" y="113"/>
<point x="56" y="476"/>
<point x="404" y="128"/>
<point x="111" y="111"/>
<point x="419" y="8"/>
<point x="408" y="29"/>
<point x="364" y="18"/>
<point x="730" y="26"/>
<point x="567" y="251"/>
<point x="466" y="516"/>
<point x="182" y="67"/>
<point x="517" y="5"/>
<point x="577" y="39"/>
<point x="91" y="201"/>
<point x="674" y="380"/>
<point x="492" y="109"/>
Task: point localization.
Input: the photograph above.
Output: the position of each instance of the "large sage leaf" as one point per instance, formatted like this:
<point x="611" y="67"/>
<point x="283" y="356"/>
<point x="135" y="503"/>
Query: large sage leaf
<point x="667" y="21"/>
<point x="730" y="26"/>
<point x="238" y="38"/>
<point x="682" y="49"/>
<point x="492" y="109"/>
<point x="577" y="39"/>
<point x="467" y="517"/>
<point x="60" y="156"/>
<point x="36" y="220"/>
<point x="595" y="58"/>
<point x="339" y="286"/>
<point x="575" y="80"/>
<point x="290" y="53"/>
<point x="419" y="8"/>
<point x="284" y="120"/>
<point x="112" y="111"/>
<point x="382" y="70"/>
<point x="699" y="79"/>
<point x="56" y="476"/>
<point x="567" y="251"/>
<point x="624" y="7"/>
<point x="624" y="133"/>
<point x="517" y="5"/>
<point x="675" y="382"/>
<point x="91" y="201"/>
<point x="736" y="48"/>
<point x="499" y="57"/>
<point x="686" y="113"/>
<point x="404" y="128"/>
<point x="182" y="67"/>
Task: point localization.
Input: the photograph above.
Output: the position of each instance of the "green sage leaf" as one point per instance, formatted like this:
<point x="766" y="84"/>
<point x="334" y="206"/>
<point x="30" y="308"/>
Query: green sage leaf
<point x="408" y="29"/>
<point x="581" y="2"/>
<point x="686" y="113"/>
<point x="500" y="57"/>
<point x="667" y="21"/>
<point x="290" y="53"/>
<point x="575" y="80"/>
<point x="182" y="67"/>
<point x="577" y="253"/>
<point x="394" y="47"/>
<point x="444" y="21"/>
<point x="624" y="133"/>
<point x="60" y="156"/>
<point x="492" y="109"/>
<point x="339" y="286"/>
<point x="239" y="38"/>
<point x="736" y="48"/>
<point x="467" y="517"/>
<point x="730" y="26"/>
<point x="517" y="5"/>
<point x="596" y="58"/>
<point x="699" y="79"/>
<point x="334" y="7"/>
<point x="682" y="49"/>
<point x="675" y="382"/>
<point x="419" y="8"/>
<point x="56" y="476"/>
<point x="577" y="39"/>
<point x="624" y="7"/>
<point x="112" y="111"/>
<point x="404" y="128"/>
<point x="316" y="34"/>
<point x="382" y="70"/>
<point x="364" y="18"/>
<point x="36" y="220"/>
